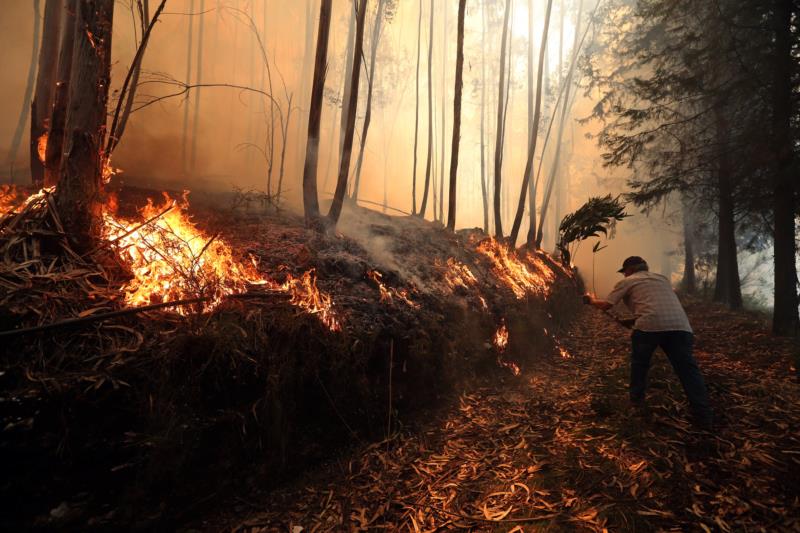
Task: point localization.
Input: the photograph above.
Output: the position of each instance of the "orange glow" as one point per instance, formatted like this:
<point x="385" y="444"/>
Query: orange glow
<point x="501" y="338"/>
<point x="389" y="294"/>
<point x="10" y="199"/>
<point x="41" y="147"/>
<point x="514" y="272"/>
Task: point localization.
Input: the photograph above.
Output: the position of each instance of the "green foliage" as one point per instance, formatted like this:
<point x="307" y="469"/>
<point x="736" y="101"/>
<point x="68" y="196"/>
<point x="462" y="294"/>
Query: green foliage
<point x="597" y="216"/>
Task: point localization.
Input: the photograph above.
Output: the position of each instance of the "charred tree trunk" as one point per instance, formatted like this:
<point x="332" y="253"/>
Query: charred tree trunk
<point x="347" y="147"/>
<point x="26" y="101"/>
<point x="45" y="84"/>
<point x="444" y="113"/>
<point x="416" y="116"/>
<point x="429" y="160"/>
<point x="78" y="193"/>
<point x="347" y="77"/>
<point x="533" y="130"/>
<point x="310" y="200"/>
<point x="376" y="36"/>
<point x="498" y="147"/>
<point x="728" y="288"/>
<point x="451" y="204"/>
<point x="785" y="315"/>
<point x="58" y="114"/>
<point x="484" y="192"/>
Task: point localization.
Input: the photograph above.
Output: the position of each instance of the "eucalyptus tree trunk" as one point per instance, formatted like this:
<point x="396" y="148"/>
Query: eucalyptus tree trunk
<point x="451" y="205"/>
<point x="26" y="100"/>
<point x="554" y="166"/>
<point x="185" y="145"/>
<point x="416" y="115"/>
<point x="484" y="192"/>
<point x="533" y="128"/>
<point x="45" y="87"/>
<point x="58" y="113"/>
<point x="351" y="36"/>
<point x="498" y="147"/>
<point x="444" y="113"/>
<point x="310" y="199"/>
<point x="198" y="80"/>
<point x="78" y="194"/>
<point x="430" y="118"/>
<point x="347" y="147"/>
<point x="376" y="36"/>
<point x="784" y="184"/>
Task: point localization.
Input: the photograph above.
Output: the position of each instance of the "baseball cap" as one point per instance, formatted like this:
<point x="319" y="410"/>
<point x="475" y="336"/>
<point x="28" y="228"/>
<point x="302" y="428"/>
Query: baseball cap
<point x="631" y="261"/>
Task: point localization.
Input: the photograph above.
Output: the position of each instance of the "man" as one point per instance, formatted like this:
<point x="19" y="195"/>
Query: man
<point x="660" y="321"/>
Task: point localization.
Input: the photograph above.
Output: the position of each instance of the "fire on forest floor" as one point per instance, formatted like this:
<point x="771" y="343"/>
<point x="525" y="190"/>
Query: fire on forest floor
<point x="562" y="451"/>
<point x="291" y="348"/>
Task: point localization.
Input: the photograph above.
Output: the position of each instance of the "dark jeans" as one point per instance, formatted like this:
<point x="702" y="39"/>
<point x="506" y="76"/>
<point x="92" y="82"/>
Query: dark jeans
<point x="678" y="347"/>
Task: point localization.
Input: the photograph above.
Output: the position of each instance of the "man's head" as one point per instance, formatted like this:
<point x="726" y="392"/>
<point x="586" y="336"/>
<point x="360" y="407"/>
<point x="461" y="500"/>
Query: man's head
<point x="632" y="265"/>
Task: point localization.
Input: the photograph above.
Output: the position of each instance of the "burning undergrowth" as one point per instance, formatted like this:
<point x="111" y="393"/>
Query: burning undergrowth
<point x="291" y="343"/>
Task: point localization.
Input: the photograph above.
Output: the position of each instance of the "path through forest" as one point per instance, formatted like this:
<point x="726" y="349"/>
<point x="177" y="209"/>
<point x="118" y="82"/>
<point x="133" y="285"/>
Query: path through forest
<point x="559" y="450"/>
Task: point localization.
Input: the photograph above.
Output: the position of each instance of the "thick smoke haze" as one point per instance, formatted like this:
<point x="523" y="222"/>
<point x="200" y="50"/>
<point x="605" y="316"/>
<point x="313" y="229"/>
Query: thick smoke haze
<point x="215" y="137"/>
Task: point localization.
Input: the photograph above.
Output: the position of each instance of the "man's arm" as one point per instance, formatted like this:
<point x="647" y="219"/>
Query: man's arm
<point x="596" y="302"/>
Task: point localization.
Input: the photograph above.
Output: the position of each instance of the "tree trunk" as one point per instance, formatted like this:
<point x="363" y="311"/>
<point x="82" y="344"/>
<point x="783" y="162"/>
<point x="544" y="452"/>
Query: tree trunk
<point x="376" y="36"/>
<point x="451" y="205"/>
<point x="430" y="119"/>
<point x="78" y="192"/>
<point x="185" y="146"/>
<point x="198" y="80"/>
<point x="554" y="167"/>
<point x="26" y="101"/>
<point x="310" y="200"/>
<point x="349" y="56"/>
<point x="347" y="147"/>
<point x="785" y="315"/>
<point x="444" y="113"/>
<point x="728" y="288"/>
<point x="498" y="147"/>
<point x="689" y="283"/>
<point x="533" y="130"/>
<point x="484" y="192"/>
<point x="416" y="115"/>
<point x="45" y="87"/>
<point x="58" y="113"/>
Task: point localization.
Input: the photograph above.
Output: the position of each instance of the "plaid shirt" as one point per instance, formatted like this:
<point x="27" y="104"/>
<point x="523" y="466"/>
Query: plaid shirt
<point x="653" y="302"/>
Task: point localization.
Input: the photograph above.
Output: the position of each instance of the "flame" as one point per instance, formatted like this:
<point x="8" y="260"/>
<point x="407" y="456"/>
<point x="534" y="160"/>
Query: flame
<point x="501" y="338"/>
<point x="109" y="171"/>
<point x="9" y="199"/>
<point x="389" y="294"/>
<point x="512" y="271"/>
<point x="41" y="147"/>
<point x="171" y="259"/>
<point x="307" y="296"/>
<point x="457" y="274"/>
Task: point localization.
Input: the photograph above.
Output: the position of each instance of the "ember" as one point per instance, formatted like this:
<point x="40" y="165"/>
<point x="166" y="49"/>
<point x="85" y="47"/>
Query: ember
<point x="500" y="342"/>
<point x="307" y="296"/>
<point x="41" y="147"/>
<point x="457" y="274"/>
<point x="389" y="293"/>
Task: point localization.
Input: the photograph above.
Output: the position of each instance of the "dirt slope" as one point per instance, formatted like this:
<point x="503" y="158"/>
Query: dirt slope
<point x="558" y="450"/>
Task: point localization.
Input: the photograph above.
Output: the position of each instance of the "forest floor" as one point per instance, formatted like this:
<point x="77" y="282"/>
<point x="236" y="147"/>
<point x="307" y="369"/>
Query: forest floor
<point x="559" y="449"/>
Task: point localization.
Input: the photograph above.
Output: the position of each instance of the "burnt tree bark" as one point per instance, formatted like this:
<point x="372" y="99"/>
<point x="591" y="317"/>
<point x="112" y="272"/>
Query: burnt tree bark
<point x="58" y="113"/>
<point x="347" y="146"/>
<point x="26" y="101"/>
<point x="785" y="314"/>
<point x="498" y="147"/>
<point x="310" y="199"/>
<point x="533" y="130"/>
<point x="458" y="86"/>
<point x="78" y="194"/>
<point x="429" y="160"/>
<point x="45" y="87"/>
